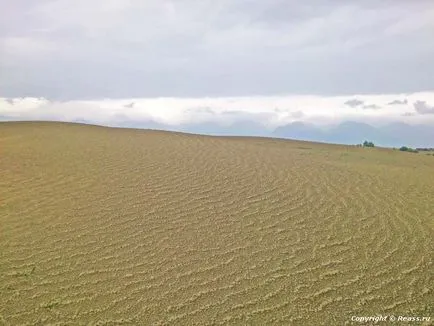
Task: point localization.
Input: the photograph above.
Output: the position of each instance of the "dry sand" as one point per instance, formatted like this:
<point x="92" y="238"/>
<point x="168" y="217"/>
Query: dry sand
<point x="119" y="226"/>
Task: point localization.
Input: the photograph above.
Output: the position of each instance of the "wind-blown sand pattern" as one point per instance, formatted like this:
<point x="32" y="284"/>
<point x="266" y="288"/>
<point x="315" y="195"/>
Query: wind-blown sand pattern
<point x="108" y="226"/>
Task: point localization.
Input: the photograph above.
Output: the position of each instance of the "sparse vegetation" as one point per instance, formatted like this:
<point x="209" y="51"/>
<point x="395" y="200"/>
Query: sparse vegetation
<point x="425" y="149"/>
<point x="104" y="226"/>
<point x="368" y="144"/>
<point x="408" y="149"/>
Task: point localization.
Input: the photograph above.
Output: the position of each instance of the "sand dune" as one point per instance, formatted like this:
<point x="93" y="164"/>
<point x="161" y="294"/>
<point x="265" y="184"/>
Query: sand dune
<point x="110" y="226"/>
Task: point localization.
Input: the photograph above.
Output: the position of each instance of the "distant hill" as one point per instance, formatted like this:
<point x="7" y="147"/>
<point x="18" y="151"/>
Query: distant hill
<point x="238" y="128"/>
<point x="300" y="131"/>
<point x="394" y="134"/>
<point x="351" y="132"/>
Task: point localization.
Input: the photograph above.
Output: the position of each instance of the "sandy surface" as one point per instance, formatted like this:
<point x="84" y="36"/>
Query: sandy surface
<point x="119" y="226"/>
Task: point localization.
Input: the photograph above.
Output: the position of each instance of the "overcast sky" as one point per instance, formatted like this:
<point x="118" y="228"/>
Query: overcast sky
<point x="80" y="49"/>
<point x="180" y="61"/>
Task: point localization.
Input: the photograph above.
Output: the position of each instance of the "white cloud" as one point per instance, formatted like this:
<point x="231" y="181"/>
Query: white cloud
<point x="268" y="111"/>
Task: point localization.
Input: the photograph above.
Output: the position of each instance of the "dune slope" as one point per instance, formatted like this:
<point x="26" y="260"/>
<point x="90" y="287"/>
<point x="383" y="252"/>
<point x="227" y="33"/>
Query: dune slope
<point x="120" y="226"/>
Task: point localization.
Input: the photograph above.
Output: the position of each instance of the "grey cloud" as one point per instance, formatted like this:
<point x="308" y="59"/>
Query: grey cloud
<point x="129" y="105"/>
<point x="422" y="107"/>
<point x="398" y="102"/>
<point x="68" y="49"/>
<point x="371" y="107"/>
<point x="354" y="103"/>
<point x="233" y="112"/>
<point x="408" y="114"/>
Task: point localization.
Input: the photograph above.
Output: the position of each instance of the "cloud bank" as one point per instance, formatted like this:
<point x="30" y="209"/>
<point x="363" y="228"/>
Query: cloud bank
<point x="270" y="112"/>
<point x="77" y="49"/>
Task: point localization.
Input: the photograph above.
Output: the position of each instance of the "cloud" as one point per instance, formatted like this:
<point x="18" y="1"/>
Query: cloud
<point x="129" y="105"/>
<point x="408" y="114"/>
<point x="268" y="111"/>
<point x="297" y="114"/>
<point x="398" y="102"/>
<point x="201" y="110"/>
<point x="354" y="103"/>
<point x="76" y="49"/>
<point x="422" y="107"/>
<point x="371" y="107"/>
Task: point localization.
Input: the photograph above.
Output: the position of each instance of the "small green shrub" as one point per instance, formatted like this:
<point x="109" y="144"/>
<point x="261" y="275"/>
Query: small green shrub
<point x="408" y="149"/>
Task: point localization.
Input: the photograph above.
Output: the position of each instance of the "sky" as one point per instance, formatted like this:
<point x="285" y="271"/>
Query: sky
<point x="269" y="111"/>
<point x="273" y="61"/>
